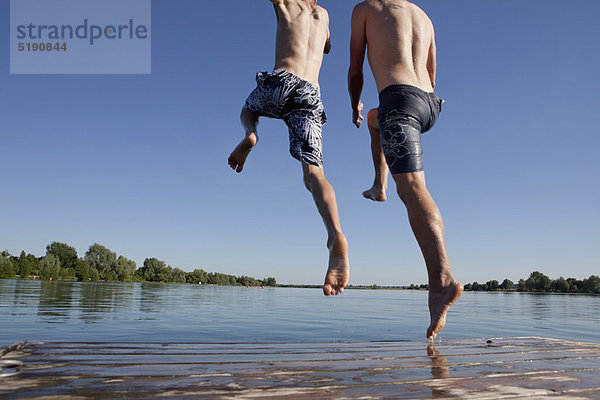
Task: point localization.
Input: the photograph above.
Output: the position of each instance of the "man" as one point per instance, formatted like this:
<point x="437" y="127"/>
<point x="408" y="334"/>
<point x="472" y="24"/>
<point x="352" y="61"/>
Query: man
<point x="401" y="48"/>
<point x="291" y="93"/>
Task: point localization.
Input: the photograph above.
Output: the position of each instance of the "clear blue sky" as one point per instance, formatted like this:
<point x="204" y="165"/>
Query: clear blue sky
<point x="138" y="162"/>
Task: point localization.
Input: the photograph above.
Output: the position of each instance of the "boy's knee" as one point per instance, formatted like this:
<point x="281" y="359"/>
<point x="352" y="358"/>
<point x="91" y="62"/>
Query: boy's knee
<point x="307" y="183"/>
<point x="309" y="180"/>
<point x="311" y="177"/>
<point x="248" y="115"/>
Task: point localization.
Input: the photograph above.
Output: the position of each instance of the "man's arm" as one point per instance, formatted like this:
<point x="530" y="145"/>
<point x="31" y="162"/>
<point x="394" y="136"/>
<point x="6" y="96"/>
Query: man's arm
<point x="432" y="60"/>
<point x="358" y="45"/>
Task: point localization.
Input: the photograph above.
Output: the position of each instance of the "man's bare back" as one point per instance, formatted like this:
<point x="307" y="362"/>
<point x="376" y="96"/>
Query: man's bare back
<point x="302" y="38"/>
<point x="401" y="42"/>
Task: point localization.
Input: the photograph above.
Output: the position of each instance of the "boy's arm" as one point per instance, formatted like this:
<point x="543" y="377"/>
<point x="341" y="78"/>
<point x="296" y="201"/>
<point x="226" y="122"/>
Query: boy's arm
<point x="276" y="3"/>
<point x="358" y="45"/>
<point x="328" y="42"/>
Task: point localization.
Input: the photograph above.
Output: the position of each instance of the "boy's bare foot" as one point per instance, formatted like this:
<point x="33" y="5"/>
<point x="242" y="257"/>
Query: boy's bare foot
<point x="439" y="303"/>
<point x="375" y="194"/>
<point x="338" y="272"/>
<point x="240" y="153"/>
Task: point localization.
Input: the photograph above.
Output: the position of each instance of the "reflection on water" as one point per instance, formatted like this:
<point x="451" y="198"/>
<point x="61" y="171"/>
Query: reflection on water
<point x="439" y="370"/>
<point x="35" y="310"/>
<point x="55" y="301"/>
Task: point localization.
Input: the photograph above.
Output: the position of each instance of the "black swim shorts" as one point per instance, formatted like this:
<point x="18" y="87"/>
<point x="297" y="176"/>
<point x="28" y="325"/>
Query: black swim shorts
<point x="405" y="112"/>
<point x="283" y="95"/>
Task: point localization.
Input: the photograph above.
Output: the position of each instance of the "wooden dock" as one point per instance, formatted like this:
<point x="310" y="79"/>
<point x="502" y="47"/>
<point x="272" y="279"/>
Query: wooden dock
<point x="512" y="368"/>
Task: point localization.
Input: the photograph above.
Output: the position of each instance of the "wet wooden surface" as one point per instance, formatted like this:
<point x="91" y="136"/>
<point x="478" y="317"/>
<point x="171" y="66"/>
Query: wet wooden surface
<point x="465" y="369"/>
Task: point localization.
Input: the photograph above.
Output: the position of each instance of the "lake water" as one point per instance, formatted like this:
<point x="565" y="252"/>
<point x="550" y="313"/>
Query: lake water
<point x="61" y="311"/>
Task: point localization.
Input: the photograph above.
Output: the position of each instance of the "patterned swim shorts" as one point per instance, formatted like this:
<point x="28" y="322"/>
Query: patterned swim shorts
<point x="405" y="112"/>
<point x="283" y="95"/>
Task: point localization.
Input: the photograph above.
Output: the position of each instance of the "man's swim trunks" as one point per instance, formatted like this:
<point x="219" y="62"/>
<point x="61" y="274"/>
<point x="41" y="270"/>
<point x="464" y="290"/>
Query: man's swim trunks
<point x="405" y="112"/>
<point x="283" y="95"/>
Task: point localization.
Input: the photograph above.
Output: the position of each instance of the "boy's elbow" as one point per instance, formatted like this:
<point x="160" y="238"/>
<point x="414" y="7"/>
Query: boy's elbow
<point x="355" y="74"/>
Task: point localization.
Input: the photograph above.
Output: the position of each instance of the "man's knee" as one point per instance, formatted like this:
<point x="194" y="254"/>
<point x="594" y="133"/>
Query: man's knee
<point x="410" y="185"/>
<point x="372" y="118"/>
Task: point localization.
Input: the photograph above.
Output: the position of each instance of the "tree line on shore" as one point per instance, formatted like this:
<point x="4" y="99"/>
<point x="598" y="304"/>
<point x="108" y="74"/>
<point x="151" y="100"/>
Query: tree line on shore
<point x="99" y="263"/>
<point x="538" y="282"/>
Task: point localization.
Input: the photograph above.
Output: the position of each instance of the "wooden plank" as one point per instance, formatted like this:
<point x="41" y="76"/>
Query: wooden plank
<point x="474" y="368"/>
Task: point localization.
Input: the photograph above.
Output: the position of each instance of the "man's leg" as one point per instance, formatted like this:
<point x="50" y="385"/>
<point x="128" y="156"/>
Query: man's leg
<point x="377" y="191"/>
<point x="238" y="157"/>
<point x="338" y="271"/>
<point x="428" y="227"/>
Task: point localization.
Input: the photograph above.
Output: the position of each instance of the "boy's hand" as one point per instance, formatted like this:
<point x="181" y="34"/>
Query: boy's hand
<point x="357" y="117"/>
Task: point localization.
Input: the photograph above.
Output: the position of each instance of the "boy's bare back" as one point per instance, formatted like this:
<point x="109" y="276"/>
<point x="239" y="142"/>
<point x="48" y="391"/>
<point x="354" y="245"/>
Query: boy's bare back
<point x="302" y="37"/>
<point x="401" y="42"/>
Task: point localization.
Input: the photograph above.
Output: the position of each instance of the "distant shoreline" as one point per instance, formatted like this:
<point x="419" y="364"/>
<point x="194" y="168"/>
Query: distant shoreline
<point x="100" y="264"/>
<point x="296" y="286"/>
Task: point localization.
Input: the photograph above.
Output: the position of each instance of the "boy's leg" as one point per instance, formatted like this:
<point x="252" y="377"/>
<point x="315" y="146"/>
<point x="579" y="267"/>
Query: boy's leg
<point x="338" y="271"/>
<point x="377" y="191"/>
<point x="238" y="157"/>
<point x="428" y="227"/>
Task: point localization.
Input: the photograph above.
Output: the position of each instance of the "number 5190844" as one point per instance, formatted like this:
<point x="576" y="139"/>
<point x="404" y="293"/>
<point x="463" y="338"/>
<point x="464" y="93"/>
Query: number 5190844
<point x="43" y="46"/>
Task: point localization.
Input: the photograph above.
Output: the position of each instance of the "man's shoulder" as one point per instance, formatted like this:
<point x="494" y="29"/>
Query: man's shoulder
<point x="419" y="11"/>
<point x="363" y="5"/>
<point x="362" y="8"/>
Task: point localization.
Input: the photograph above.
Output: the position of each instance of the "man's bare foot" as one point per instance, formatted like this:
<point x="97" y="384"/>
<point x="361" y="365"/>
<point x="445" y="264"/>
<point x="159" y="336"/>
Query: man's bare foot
<point x="240" y="153"/>
<point x="439" y="303"/>
<point x="375" y="194"/>
<point x="338" y="272"/>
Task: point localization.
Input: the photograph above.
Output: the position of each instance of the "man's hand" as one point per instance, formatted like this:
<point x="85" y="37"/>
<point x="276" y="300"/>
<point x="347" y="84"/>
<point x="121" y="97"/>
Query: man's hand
<point x="357" y="117"/>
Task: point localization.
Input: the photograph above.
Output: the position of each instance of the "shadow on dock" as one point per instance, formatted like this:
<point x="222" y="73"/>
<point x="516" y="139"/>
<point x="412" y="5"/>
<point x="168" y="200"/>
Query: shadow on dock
<point x="464" y="369"/>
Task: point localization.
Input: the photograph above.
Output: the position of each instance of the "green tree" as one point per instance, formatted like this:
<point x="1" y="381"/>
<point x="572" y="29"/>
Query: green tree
<point x="197" y="276"/>
<point x="102" y="259"/>
<point x="507" y="284"/>
<point x="492" y="285"/>
<point x="178" y="276"/>
<point x="574" y="285"/>
<point x="85" y="272"/>
<point x="67" y="255"/>
<point x="591" y="285"/>
<point x="67" y="273"/>
<point x="49" y="267"/>
<point x="560" y="285"/>
<point x="156" y="271"/>
<point x="124" y="268"/>
<point x="28" y="264"/>
<point x="246" y="281"/>
<point x="537" y="282"/>
<point x="7" y="267"/>
<point x="270" y="281"/>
